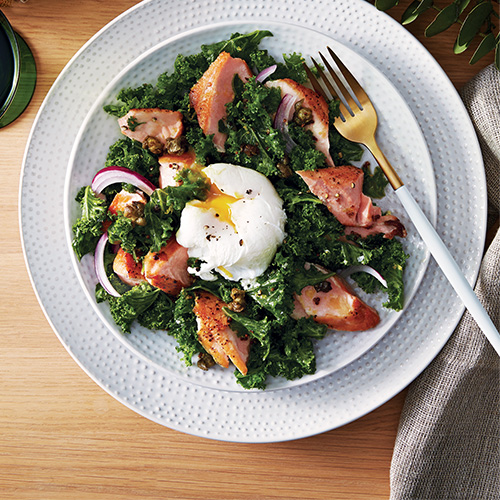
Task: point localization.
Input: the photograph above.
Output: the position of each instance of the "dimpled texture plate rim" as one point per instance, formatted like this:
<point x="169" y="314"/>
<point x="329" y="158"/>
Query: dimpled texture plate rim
<point x="285" y="414"/>
<point x="400" y="139"/>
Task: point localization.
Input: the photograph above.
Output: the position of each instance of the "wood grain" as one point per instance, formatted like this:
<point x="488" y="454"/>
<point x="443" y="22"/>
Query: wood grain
<point x="62" y="437"/>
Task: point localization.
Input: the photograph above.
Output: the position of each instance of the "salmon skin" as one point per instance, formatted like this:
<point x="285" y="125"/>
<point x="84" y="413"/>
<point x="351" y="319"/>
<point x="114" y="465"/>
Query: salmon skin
<point x="213" y="91"/>
<point x="307" y="98"/>
<point x="341" y="190"/>
<point x="127" y="268"/>
<point x="167" y="269"/>
<point x="162" y="124"/>
<point x="335" y="305"/>
<point x="216" y="335"/>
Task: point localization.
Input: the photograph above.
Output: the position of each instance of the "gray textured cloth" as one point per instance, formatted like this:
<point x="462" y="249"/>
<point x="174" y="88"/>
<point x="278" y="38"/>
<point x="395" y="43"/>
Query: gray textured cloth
<point x="448" y="441"/>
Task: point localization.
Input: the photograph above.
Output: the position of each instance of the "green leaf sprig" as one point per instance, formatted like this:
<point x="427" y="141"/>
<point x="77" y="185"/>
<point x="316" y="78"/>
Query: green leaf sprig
<point x="477" y="23"/>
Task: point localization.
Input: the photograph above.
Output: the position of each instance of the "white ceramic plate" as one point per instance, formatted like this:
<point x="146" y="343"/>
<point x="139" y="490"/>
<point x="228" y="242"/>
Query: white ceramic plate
<point x="400" y="137"/>
<point x="350" y="392"/>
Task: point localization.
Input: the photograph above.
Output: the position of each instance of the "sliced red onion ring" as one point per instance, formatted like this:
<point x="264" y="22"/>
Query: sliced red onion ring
<point x="284" y="112"/>
<point x="266" y="73"/>
<point x="99" y="266"/>
<point x="283" y="116"/>
<point x="363" y="269"/>
<point x="114" y="175"/>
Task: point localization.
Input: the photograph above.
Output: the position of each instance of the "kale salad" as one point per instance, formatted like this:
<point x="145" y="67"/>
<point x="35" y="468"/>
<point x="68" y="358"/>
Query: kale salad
<point x="314" y="249"/>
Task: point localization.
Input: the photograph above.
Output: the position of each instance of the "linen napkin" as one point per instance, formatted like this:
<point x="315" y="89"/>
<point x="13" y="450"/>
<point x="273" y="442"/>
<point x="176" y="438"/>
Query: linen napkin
<point x="448" y="442"/>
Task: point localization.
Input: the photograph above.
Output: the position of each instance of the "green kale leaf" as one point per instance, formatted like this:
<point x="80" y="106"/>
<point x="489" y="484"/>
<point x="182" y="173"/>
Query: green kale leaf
<point x="291" y="354"/>
<point x="387" y="257"/>
<point x="159" y="315"/>
<point x="129" y="306"/>
<point x="252" y="141"/>
<point x="130" y="154"/>
<point x="259" y="329"/>
<point x="304" y="156"/>
<point x="342" y="151"/>
<point x="88" y="228"/>
<point x="163" y="210"/>
<point x="374" y="184"/>
<point x="238" y="45"/>
<point x="183" y="327"/>
<point x="132" y="238"/>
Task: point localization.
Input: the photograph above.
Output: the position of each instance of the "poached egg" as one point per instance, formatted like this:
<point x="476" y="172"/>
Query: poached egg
<point x="238" y="228"/>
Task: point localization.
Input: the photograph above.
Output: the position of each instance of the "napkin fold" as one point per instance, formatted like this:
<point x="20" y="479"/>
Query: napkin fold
<point x="448" y="442"/>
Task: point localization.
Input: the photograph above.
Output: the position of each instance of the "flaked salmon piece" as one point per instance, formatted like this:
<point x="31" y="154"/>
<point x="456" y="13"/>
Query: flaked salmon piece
<point x="388" y="225"/>
<point x="216" y="335"/>
<point x="337" y="307"/>
<point x="131" y="205"/>
<point x="167" y="269"/>
<point x="127" y="269"/>
<point x="214" y="90"/>
<point x="171" y="165"/>
<point x="341" y="190"/>
<point x="162" y="124"/>
<point x="309" y="99"/>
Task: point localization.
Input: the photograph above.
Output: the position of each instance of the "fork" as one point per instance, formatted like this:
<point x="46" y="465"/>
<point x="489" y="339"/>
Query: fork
<point x="358" y="123"/>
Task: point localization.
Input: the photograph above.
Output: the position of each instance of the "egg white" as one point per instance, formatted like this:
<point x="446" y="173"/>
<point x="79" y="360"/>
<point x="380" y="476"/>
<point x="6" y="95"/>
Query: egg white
<point x="244" y="246"/>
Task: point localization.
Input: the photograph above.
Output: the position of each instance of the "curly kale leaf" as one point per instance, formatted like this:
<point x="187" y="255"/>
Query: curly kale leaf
<point x="192" y="185"/>
<point x="291" y="354"/>
<point x="203" y="145"/>
<point x="252" y="141"/>
<point x="374" y="184"/>
<point x="161" y="220"/>
<point x="238" y="45"/>
<point x="183" y="327"/>
<point x="259" y="329"/>
<point x="291" y="67"/>
<point x="387" y="257"/>
<point x="304" y="156"/>
<point x="342" y="151"/>
<point x="88" y="228"/>
<point x="130" y="154"/>
<point x="132" y="238"/>
<point x="131" y="305"/>
<point x="311" y="229"/>
<point x="163" y="211"/>
<point x="159" y="315"/>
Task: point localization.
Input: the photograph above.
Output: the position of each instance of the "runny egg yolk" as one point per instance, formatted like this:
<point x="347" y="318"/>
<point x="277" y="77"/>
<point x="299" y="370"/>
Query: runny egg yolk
<point x="219" y="202"/>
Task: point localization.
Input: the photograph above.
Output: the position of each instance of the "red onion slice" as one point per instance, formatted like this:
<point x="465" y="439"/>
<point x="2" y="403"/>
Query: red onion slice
<point x="283" y="116"/>
<point x="284" y="112"/>
<point x="115" y="175"/>
<point x="265" y="73"/>
<point x="99" y="266"/>
<point x="364" y="269"/>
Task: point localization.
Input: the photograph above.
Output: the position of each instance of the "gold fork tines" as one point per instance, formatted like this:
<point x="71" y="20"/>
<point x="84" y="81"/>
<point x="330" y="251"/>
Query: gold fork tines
<point x="358" y="122"/>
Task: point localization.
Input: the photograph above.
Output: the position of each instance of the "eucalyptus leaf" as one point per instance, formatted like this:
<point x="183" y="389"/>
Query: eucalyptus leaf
<point x="473" y="22"/>
<point x="485" y="46"/>
<point x="462" y="5"/>
<point x="415" y="9"/>
<point x="446" y="18"/>
<point x="458" y="49"/>
<point x="385" y="4"/>
<point x="409" y="14"/>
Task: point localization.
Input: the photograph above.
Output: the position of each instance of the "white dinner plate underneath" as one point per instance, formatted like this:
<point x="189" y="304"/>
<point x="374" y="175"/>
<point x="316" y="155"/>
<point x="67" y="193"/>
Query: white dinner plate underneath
<point x="290" y="413"/>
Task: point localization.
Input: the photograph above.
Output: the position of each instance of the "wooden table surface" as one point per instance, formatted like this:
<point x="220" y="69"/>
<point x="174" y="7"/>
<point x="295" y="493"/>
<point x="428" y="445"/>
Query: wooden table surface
<point x="63" y="437"/>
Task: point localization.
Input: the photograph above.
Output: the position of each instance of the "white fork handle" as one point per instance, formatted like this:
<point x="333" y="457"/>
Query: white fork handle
<point x="449" y="267"/>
